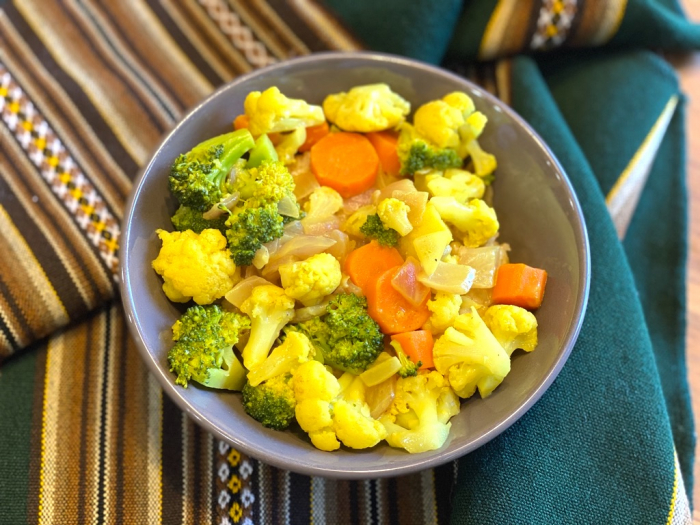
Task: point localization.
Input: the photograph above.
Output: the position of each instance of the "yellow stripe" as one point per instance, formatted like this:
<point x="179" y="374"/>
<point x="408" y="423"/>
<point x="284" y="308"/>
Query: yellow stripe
<point x="672" y="509"/>
<point x="624" y="176"/>
<point x="155" y="440"/>
<point x="495" y="29"/>
<point x="44" y="424"/>
<point x="614" y="13"/>
<point x="40" y="281"/>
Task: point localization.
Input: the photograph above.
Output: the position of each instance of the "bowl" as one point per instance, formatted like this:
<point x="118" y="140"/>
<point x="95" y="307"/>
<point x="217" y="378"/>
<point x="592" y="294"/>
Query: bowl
<point x="540" y="218"/>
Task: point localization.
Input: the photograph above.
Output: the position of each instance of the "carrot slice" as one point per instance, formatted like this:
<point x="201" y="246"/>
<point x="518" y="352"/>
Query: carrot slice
<point x="384" y="143"/>
<point x="240" y="122"/>
<point x="418" y="346"/>
<point x="368" y="262"/>
<point x="313" y="135"/>
<point x="345" y="162"/>
<point x="519" y="285"/>
<point x="391" y="310"/>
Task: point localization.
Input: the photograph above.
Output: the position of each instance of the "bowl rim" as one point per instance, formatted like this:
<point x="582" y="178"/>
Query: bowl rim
<point x="386" y="470"/>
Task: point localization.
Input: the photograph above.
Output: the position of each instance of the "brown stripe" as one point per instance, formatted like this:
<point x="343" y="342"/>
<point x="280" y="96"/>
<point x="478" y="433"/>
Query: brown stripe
<point x="269" y="27"/>
<point x="172" y="457"/>
<point x="158" y="50"/>
<point x="15" y="294"/>
<point x="65" y="118"/>
<point x="206" y="36"/>
<point x="35" y="450"/>
<point x="325" y="25"/>
<point x="87" y="109"/>
<point x="79" y="256"/>
<point x="410" y="507"/>
<point x="144" y="101"/>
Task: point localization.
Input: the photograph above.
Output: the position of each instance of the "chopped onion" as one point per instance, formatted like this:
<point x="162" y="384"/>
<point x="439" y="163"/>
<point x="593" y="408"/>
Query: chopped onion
<point x="272" y="247"/>
<point x="250" y="271"/>
<point x="343" y="245"/>
<point x="293" y="229"/>
<point x="303" y="246"/>
<point x="304" y="180"/>
<point x="406" y="282"/>
<point x="347" y="286"/>
<point x="322" y="226"/>
<point x="288" y="207"/>
<point x="416" y="200"/>
<point x="243" y="289"/>
<point x="485" y="261"/>
<point x="405" y="185"/>
<point x="450" y="278"/>
<point x="479" y="298"/>
<point x="384" y="179"/>
<point x="309" y="312"/>
<point x="380" y="397"/>
<point x="353" y="204"/>
<point x="215" y="211"/>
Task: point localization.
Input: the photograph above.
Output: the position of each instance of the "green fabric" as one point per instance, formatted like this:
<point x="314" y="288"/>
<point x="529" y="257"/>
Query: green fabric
<point x="16" y="398"/>
<point x="599" y="446"/>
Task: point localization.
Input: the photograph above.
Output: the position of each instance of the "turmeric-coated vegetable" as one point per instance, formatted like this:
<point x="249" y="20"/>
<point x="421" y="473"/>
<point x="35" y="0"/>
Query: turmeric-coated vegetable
<point x="365" y="264"/>
<point x="390" y="309"/>
<point x="519" y="285"/>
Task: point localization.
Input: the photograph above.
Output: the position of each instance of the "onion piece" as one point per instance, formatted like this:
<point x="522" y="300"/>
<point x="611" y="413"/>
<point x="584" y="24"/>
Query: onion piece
<point x="215" y="211"/>
<point x="303" y="246"/>
<point x="347" y="286"/>
<point x="286" y="206"/>
<point x="243" y="289"/>
<point x="322" y="226"/>
<point x="449" y="278"/>
<point x="381" y="396"/>
<point x="479" y="298"/>
<point x="406" y="282"/>
<point x="262" y="256"/>
<point x="485" y="261"/>
<point x="416" y="200"/>
<point x="304" y="180"/>
<point x="405" y="185"/>
<point x="356" y="202"/>
<point x="343" y="245"/>
<point x="309" y="312"/>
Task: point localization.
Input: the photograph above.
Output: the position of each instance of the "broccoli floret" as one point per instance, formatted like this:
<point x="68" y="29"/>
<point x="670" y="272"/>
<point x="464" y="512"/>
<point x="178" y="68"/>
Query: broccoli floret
<point x="271" y="402"/>
<point x="408" y="367"/>
<point x="423" y="156"/>
<point x="188" y="219"/>
<point x="374" y="228"/>
<point x="203" y="351"/>
<point x="249" y="229"/>
<point x="198" y="177"/>
<point x="346" y="335"/>
<point x="266" y="184"/>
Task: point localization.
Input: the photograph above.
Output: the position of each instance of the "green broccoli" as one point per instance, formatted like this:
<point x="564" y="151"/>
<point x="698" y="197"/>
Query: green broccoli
<point x="188" y="219"/>
<point x="346" y="335"/>
<point x="408" y="367"/>
<point x="198" y="177"/>
<point x="374" y="228"/>
<point x="249" y="229"/>
<point x="423" y="156"/>
<point x="203" y="351"/>
<point x="271" y="402"/>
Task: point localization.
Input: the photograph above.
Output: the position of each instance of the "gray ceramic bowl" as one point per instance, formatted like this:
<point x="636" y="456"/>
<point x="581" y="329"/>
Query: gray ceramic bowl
<point x="540" y="218"/>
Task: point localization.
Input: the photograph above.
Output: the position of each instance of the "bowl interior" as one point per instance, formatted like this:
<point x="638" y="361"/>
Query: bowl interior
<point x="540" y="219"/>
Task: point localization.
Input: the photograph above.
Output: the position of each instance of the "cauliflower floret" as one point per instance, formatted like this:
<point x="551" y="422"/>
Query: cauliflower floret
<point x="394" y="214"/>
<point x="476" y="219"/>
<point x="470" y="356"/>
<point x="418" y="419"/>
<point x="439" y="122"/>
<point x="271" y="111"/>
<point x="195" y="266"/>
<point x="513" y="327"/>
<point x="327" y="414"/>
<point x="374" y="107"/>
<point x="460" y="184"/>
<point x="269" y="309"/>
<point x="444" y="310"/>
<point x="484" y="163"/>
<point x="311" y="280"/>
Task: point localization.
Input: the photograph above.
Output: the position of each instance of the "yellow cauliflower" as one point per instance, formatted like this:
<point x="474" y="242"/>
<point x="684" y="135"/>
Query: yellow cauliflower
<point x="329" y="415"/>
<point x="323" y="203"/>
<point x="484" y="163"/>
<point x="460" y="184"/>
<point x="271" y="111"/>
<point x="394" y="214"/>
<point x="476" y="220"/>
<point x="311" y="280"/>
<point x="444" y="309"/>
<point x="195" y="266"/>
<point x="439" y="122"/>
<point x="513" y="327"/>
<point x="374" y="107"/>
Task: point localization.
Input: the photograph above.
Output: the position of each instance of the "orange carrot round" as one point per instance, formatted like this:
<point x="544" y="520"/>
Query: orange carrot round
<point x="368" y="262"/>
<point x="345" y="162"/>
<point x="384" y="143"/>
<point x="240" y="122"/>
<point x="391" y="310"/>
<point x="313" y="135"/>
<point x="418" y="346"/>
<point x="519" y="285"/>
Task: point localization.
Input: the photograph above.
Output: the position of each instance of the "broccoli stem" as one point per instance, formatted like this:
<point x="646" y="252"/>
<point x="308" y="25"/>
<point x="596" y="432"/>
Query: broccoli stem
<point x="264" y="150"/>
